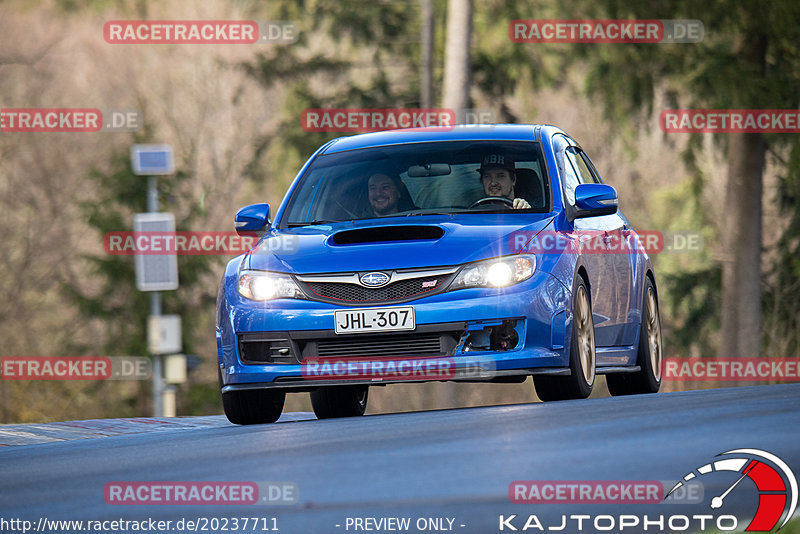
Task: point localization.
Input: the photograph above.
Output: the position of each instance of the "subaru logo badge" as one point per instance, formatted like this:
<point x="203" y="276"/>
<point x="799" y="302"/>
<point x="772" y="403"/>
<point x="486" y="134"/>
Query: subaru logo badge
<point x="374" y="279"/>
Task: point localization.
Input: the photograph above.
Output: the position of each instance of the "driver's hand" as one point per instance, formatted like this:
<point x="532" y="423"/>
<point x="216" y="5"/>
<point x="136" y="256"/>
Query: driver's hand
<point x="520" y="204"/>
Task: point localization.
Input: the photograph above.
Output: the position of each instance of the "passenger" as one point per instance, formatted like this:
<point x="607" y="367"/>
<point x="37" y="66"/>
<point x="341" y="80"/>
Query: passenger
<point x="388" y="194"/>
<point x="383" y="194"/>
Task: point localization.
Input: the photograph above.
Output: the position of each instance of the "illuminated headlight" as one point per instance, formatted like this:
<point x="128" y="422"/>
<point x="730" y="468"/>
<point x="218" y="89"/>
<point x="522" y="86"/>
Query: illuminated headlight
<point x="499" y="272"/>
<point x="262" y="285"/>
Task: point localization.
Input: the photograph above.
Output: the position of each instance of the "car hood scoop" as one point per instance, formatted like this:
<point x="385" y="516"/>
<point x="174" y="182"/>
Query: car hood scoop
<point x="385" y="245"/>
<point x="382" y="234"/>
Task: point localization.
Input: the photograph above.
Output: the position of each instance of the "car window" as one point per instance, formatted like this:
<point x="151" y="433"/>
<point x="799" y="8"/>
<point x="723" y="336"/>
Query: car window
<point x="462" y="186"/>
<point x="434" y="177"/>
<point x="569" y="174"/>
<point x="588" y="162"/>
<point x="576" y="158"/>
<point x="306" y="197"/>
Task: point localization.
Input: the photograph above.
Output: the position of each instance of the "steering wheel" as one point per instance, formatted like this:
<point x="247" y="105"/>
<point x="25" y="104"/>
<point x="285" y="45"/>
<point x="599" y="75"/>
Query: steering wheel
<point x="486" y="200"/>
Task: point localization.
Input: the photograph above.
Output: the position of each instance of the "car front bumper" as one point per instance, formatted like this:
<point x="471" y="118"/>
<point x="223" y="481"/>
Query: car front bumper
<point x="290" y="333"/>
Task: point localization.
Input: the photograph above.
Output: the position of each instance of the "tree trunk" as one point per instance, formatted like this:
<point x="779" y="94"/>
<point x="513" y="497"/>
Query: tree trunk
<point x="426" y="63"/>
<point x="741" y="233"/>
<point x="741" y="268"/>
<point x="457" y="56"/>
<point x="456" y="97"/>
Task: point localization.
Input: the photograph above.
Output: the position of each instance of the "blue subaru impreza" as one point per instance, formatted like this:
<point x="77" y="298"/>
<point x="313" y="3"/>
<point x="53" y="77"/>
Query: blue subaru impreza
<point x="473" y="254"/>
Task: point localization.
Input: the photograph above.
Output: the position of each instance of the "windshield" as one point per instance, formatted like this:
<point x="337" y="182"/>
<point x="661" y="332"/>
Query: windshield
<point x="421" y="178"/>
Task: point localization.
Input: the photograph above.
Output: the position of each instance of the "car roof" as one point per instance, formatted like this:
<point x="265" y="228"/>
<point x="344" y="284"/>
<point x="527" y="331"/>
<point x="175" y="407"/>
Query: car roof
<point x="499" y="132"/>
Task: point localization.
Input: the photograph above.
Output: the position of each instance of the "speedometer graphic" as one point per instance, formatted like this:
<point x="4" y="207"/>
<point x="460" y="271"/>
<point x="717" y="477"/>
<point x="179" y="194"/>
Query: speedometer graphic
<point x="774" y="481"/>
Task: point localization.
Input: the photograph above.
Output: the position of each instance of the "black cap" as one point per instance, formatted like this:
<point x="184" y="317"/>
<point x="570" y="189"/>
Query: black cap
<point x="497" y="161"/>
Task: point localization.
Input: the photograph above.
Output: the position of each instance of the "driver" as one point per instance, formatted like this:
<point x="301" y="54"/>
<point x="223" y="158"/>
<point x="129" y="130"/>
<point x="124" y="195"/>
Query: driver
<point x="498" y="179"/>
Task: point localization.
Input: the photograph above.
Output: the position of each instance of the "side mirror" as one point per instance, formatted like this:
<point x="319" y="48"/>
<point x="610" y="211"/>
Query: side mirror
<point x="252" y="218"/>
<point x="592" y="200"/>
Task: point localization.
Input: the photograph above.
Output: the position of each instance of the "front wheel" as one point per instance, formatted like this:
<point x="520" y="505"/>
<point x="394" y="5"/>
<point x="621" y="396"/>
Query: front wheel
<point x="253" y="407"/>
<point x="648" y="378"/>
<point x="579" y="384"/>
<point x="339" y="401"/>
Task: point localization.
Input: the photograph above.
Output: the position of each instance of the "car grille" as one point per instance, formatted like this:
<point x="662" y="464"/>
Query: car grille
<point x="400" y="290"/>
<point x="293" y="347"/>
<point x="430" y="344"/>
<point x="383" y="346"/>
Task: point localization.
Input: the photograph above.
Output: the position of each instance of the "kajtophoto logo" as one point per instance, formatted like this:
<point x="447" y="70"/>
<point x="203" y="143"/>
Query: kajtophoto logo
<point x="771" y="477"/>
<point x="775" y="488"/>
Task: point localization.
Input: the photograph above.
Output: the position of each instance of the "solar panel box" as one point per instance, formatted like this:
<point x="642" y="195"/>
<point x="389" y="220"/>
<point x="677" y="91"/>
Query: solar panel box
<point x="149" y="160"/>
<point x="156" y="270"/>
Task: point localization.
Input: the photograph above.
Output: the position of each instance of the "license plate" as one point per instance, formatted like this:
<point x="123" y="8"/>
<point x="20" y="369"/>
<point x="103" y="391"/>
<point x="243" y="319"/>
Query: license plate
<point x="374" y="319"/>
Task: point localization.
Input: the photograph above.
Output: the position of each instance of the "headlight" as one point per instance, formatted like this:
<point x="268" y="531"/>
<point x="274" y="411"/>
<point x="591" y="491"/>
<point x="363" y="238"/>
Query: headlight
<point x="498" y="272"/>
<point x="262" y="285"/>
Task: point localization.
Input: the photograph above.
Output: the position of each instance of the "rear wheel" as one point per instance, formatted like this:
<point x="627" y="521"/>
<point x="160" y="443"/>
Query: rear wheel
<point x="579" y="384"/>
<point x="648" y="379"/>
<point x="339" y="401"/>
<point x="254" y="406"/>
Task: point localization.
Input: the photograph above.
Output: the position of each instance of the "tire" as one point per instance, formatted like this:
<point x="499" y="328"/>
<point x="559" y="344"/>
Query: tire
<point x="582" y="354"/>
<point x="339" y="401"/>
<point x="254" y="406"/>
<point x="649" y="354"/>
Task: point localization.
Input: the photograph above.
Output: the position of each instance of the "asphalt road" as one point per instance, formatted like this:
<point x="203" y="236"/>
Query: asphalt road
<point x="449" y="464"/>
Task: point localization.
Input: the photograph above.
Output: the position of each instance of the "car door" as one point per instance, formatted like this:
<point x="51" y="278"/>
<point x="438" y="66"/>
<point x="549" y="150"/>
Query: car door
<point x="619" y="256"/>
<point x="600" y="267"/>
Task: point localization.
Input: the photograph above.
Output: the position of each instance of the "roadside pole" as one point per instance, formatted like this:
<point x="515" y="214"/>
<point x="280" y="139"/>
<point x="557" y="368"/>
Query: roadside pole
<point x="155" y="311"/>
<point x="157" y="272"/>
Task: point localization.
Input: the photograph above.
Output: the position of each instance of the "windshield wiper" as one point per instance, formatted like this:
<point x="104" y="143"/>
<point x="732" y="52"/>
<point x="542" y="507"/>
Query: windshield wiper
<point x="310" y="223"/>
<point x="434" y="212"/>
